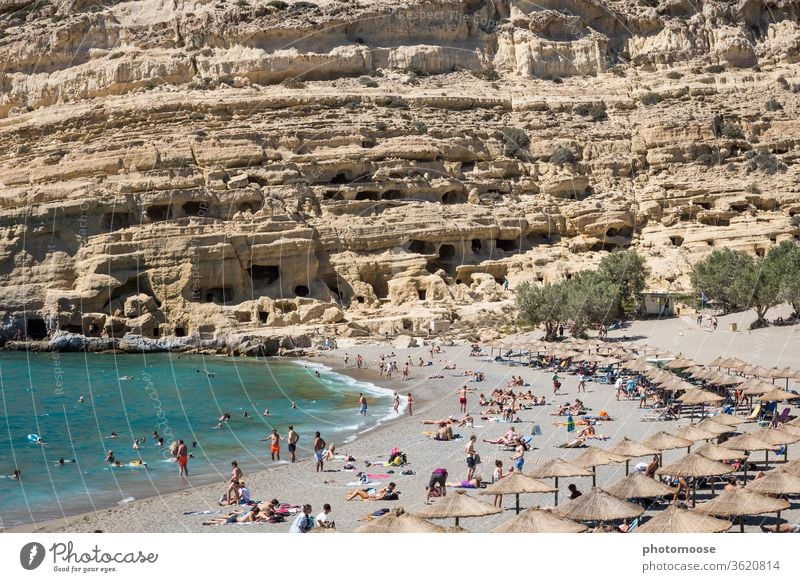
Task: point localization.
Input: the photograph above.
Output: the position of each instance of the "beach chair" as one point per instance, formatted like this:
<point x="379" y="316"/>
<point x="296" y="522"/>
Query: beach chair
<point x="782" y="417"/>
<point x="754" y="414"/>
<point x="671" y="412"/>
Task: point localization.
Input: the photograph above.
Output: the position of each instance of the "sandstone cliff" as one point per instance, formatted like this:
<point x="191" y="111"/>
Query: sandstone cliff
<point x="203" y="168"/>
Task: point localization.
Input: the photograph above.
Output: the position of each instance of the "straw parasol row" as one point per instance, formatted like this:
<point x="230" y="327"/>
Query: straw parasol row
<point x="695" y="465"/>
<point x="515" y="484"/>
<point x="720" y="453"/>
<point x="663" y="441"/>
<point x="537" y="520"/>
<point x="675" y="520"/>
<point x="631" y="449"/>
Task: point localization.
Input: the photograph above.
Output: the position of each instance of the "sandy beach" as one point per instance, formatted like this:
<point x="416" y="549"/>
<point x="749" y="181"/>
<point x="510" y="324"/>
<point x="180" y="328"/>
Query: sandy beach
<point x="438" y="398"/>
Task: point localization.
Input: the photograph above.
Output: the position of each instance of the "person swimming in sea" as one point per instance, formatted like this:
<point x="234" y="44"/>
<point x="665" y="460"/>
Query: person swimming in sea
<point x="113" y="435"/>
<point x="63" y="461"/>
<point x="294" y="405"/>
<point x="80" y="399"/>
<point x="266" y="412"/>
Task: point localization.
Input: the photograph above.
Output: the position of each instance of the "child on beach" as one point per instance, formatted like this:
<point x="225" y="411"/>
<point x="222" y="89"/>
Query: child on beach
<point x="410" y="404"/>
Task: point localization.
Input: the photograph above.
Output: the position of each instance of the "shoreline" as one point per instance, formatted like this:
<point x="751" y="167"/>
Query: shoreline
<point x="334" y="365"/>
<point x="435" y="390"/>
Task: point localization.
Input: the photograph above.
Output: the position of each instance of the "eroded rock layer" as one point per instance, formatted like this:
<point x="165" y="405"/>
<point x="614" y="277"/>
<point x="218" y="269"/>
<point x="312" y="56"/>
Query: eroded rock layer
<point x="200" y="168"/>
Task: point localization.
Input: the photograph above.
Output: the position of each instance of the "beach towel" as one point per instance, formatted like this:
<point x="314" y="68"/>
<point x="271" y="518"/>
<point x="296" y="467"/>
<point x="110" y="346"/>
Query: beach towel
<point x="206" y="512"/>
<point x="570" y="424"/>
<point x="362" y="484"/>
<point x="378" y="476"/>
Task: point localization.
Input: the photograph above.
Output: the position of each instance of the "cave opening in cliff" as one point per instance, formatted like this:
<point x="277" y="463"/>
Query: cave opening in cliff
<point x="263" y="274"/>
<point x="263" y="316"/>
<point x="378" y="282"/>
<point x="476" y="246"/>
<point x="200" y="209"/>
<point x="447" y="252"/>
<point x="159" y="212"/>
<point x="421" y="247"/>
<point x="676" y="240"/>
<point x="219" y="295"/>
<point x="368" y="195"/>
<point x="247" y="207"/>
<point x="116" y="220"/>
<point x="507" y="245"/>
<point x="421" y="293"/>
<point x="180" y="332"/>
<point x="302" y="291"/>
<point x="35" y="329"/>
<point x="342" y="178"/>
<point x="73" y="328"/>
<point x="625" y="231"/>
<point x="391" y="195"/>
<point x="332" y="195"/>
<point x="454" y="197"/>
<point x="467" y="167"/>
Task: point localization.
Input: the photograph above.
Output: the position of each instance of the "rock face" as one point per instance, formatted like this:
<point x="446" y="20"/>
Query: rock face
<point x="201" y="169"/>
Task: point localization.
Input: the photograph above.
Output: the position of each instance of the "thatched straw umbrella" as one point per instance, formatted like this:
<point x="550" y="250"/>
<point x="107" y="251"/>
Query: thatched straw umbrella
<point x="720" y="453"/>
<point x="556" y="468"/>
<point x="731" y="363"/>
<point x="680" y="363"/>
<point x="716" y="362"/>
<point x="741" y="502"/>
<point x="458" y="505"/>
<point x="727" y="419"/>
<point x="695" y="465"/>
<point x="537" y="520"/>
<point x="398" y="521"/>
<point x="711" y="425"/>
<point x="676" y="520"/>
<point x="597" y="505"/>
<point x="792" y="467"/>
<point x="777" y="395"/>
<point x="694" y="434"/>
<point x="776" y="436"/>
<point x="702" y="397"/>
<point x="638" y="365"/>
<point x="517" y="483"/>
<point x="775" y="482"/>
<point x="755" y="386"/>
<point x="663" y="441"/>
<point x="747" y="442"/>
<point x="637" y="486"/>
<point x="594" y="457"/>
<point x="631" y="449"/>
<point x="726" y="380"/>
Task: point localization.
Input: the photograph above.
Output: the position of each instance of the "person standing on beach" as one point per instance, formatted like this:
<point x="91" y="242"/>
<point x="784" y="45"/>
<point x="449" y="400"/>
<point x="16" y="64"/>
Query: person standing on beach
<point x="410" y="404"/>
<point x="519" y="455"/>
<point x="346" y="360"/>
<point x="462" y="399"/>
<point x="183" y="458"/>
<point x="292" y="437"/>
<point x="362" y="404"/>
<point x="319" y="450"/>
<point x="232" y="493"/>
<point x="556" y="383"/>
<point x="405" y="371"/>
<point x="472" y="457"/>
<point x="582" y="382"/>
<point x="396" y="402"/>
<point x="275" y="443"/>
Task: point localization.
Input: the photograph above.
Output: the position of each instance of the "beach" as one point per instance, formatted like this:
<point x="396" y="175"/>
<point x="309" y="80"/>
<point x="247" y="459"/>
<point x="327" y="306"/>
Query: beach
<point x="297" y="484"/>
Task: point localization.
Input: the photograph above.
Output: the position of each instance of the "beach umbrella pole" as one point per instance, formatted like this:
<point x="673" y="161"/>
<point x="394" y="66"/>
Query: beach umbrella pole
<point x="556" y="493"/>
<point x="517" y="503"/>
<point x="741" y="524"/>
<point x="627" y="466"/>
<point x="594" y="476"/>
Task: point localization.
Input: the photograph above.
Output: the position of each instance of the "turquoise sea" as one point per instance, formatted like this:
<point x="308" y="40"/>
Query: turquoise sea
<point x="179" y="396"/>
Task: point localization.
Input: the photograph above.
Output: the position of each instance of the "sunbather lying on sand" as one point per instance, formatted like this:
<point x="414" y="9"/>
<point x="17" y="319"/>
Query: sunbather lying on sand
<point x="510" y="437"/>
<point x="782" y="528"/>
<point x="251" y="516"/>
<point x="474" y="483"/>
<point x="388" y="493"/>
